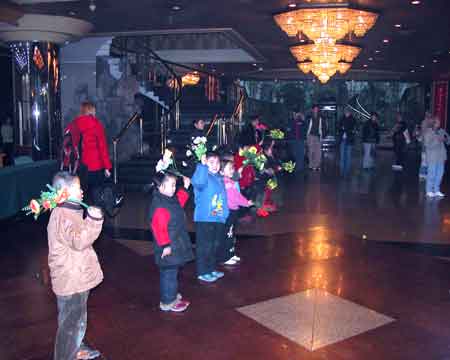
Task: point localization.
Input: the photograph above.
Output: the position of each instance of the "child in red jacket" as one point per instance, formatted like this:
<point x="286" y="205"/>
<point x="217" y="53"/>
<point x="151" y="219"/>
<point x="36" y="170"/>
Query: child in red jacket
<point x="172" y="245"/>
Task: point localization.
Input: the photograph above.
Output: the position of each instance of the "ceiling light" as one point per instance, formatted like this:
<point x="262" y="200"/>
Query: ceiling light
<point x="92" y="6"/>
<point x="72" y="13"/>
<point x="260" y="69"/>
<point x="365" y="65"/>
<point x="292" y="5"/>
<point x="435" y="61"/>
<point x="398" y="25"/>
<point x="413" y="71"/>
<point x="415" y="2"/>
<point x="422" y="66"/>
<point x="326" y="24"/>
<point x="371" y="59"/>
<point x="386" y="41"/>
<point x="377" y="51"/>
<point x="176" y="7"/>
<point x="254" y="64"/>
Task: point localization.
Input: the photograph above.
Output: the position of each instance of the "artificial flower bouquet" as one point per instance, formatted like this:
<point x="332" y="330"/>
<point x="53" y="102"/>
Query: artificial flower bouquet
<point x="167" y="163"/>
<point x="255" y="158"/>
<point x="197" y="147"/>
<point x="277" y="134"/>
<point x="288" y="166"/>
<point x="48" y="201"/>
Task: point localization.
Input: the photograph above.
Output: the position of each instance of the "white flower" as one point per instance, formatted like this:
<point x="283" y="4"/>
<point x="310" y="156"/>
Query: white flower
<point x="197" y="140"/>
<point x="188" y="153"/>
<point x="203" y="140"/>
<point x="184" y="163"/>
<point x="163" y="165"/>
<point x="214" y="147"/>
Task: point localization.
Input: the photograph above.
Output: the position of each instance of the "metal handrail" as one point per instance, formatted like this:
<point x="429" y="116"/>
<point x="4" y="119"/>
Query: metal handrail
<point x="135" y="117"/>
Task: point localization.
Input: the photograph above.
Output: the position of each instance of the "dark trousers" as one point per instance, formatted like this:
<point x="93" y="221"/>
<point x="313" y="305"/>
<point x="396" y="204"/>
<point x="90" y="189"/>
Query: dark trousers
<point x="8" y="148"/>
<point x="298" y="148"/>
<point x="400" y="154"/>
<point x="90" y="181"/>
<point x="226" y="248"/>
<point x="168" y="284"/>
<point x="72" y="323"/>
<point x="207" y="238"/>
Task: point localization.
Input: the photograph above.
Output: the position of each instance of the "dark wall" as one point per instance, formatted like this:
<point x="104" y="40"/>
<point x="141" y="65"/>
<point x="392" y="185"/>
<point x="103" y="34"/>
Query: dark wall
<point x="6" y="92"/>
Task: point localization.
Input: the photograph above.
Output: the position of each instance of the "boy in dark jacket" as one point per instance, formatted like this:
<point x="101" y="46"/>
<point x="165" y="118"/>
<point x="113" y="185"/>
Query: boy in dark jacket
<point x="172" y="245"/>
<point x="346" y="130"/>
<point x="210" y="214"/>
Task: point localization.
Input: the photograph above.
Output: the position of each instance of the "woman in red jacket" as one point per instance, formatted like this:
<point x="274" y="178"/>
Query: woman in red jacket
<point x="94" y="147"/>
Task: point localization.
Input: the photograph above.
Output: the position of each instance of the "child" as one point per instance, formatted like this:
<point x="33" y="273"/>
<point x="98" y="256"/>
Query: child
<point x="210" y="215"/>
<point x="226" y="252"/>
<point x="74" y="267"/>
<point x="172" y="244"/>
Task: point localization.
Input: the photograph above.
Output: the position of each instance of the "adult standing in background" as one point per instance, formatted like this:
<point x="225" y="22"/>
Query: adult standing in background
<point x="400" y="139"/>
<point x="299" y="129"/>
<point x="434" y="139"/>
<point x="7" y="133"/>
<point x="315" y="132"/>
<point x="346" y="130"/>
<point x="253" y="133"/>
<point x="370" y="139"/>
<point x="95" y="162"/>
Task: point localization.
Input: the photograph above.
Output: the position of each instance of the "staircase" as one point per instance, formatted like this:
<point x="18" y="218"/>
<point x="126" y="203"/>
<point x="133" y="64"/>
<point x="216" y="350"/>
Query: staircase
<point x="136" y="173"/>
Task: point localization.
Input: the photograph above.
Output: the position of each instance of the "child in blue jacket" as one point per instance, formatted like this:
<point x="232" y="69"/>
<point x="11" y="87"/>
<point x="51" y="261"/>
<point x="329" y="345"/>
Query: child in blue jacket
<point x="210" y="214"/>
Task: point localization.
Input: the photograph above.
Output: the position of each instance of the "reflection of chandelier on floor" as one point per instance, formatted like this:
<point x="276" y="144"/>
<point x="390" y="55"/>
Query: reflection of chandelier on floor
<point x="325" y="24"/>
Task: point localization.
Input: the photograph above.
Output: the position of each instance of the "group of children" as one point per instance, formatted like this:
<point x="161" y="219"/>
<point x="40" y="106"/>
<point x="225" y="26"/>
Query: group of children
<point x="217" y="199"/>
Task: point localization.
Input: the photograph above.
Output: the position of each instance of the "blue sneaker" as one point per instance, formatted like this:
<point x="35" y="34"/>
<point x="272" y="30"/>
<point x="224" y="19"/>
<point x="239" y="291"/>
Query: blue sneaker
<point x="217" y="274"/>
<point x="207" y="278"/>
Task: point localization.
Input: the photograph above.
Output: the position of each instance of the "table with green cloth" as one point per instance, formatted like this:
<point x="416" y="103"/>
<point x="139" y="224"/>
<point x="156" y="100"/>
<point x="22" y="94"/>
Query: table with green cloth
<point x="20" y="183"/>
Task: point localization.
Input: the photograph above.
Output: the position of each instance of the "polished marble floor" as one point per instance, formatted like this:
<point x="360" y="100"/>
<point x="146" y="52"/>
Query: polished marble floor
<point x="352" y="268"/>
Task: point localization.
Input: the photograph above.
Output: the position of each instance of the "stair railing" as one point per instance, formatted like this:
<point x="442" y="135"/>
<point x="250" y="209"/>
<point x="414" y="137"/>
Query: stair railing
<point x="135" y="117"/>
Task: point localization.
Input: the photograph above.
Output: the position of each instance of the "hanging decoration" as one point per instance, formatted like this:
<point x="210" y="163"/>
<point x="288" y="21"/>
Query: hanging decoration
<point x="212" y="87"/>
<point x="21" y="53"/>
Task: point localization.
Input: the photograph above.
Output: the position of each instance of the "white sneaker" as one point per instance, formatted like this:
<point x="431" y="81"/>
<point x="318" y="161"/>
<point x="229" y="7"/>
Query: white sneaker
<point x="230" y="262"/>
<point x="236" y="258"/>
<point x="431" y="194"/>
<point x="439" y="194"/>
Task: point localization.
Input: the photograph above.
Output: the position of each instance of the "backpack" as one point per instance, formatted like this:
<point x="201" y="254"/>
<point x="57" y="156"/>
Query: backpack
<point x="70" y="154"/>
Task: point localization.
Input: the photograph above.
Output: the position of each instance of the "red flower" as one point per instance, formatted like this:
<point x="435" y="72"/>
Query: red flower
<point x="62" y="196"/>
<point x="46" y="205"/>
<point x="35" y="207"/>
<point x="262" y="213"/>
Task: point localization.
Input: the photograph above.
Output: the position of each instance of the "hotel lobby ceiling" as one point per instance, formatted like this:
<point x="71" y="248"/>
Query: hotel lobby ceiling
<point x="407" y="38"/>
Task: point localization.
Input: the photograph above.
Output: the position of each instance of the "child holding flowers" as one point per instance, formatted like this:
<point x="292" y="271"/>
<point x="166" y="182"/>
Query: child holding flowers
<point x="226" y="251"/>
<point x="73" y="263"/>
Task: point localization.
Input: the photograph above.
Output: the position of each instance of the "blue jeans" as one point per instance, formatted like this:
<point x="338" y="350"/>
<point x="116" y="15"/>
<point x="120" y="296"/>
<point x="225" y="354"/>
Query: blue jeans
<point x="298" y="147"/>
<point x="368" y="158"/>
<point x="168" y="284"/>
<point x="434" y="177"/>
<point x="345" y="157"/>
<point x="72" y="323"/>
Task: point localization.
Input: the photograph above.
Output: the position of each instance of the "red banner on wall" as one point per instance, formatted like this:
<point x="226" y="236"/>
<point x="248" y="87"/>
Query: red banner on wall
<point x="440" y="101"/>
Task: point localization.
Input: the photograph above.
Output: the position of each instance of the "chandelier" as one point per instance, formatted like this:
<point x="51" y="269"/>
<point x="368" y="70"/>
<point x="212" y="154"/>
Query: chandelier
<point x="325" y="60"/>
<point x="327" y="23"/>
<point x="190" y="79"/>
<point x="324" y="25"/>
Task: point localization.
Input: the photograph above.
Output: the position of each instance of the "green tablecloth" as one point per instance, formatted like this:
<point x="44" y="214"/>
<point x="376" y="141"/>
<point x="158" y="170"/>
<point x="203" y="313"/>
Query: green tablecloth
<point x="19" y="184"/>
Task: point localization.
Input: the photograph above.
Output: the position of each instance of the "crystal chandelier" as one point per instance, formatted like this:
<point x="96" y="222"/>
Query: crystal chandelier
<point x="326" y="23"/>
<point x="325" y="60"/>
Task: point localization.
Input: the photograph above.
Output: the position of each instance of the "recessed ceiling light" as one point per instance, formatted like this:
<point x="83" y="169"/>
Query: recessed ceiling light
<point x="398" y="25"/>
<point x="302" y="40"/>
<point x="435" y="61"/>
<point x="365" y="65"/>
<point x="371" y="59"/>
<point x="415" y="2"/>
<point x="386" y="41"/>
<point x="292" y="5"/>
<point x="176" y="7"/>
<point x="413" y="71"/>
<point x="72" y="13"/>
<point x="202" y="65"/>
<point x="254" y="64"/>
<point x="422" y="66"/>
<point x="213" y="70"/>
<point x="260" y="69"/>
<point x="377" y="51"/>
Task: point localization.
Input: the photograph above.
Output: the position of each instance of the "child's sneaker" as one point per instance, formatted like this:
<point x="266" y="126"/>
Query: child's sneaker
<point x="207" y="278"/>
<point x="86" y="353"/>
<point x="217" y="274"/>
<point x="236" y="258"/>
<point x="176" y="306"/>
<point x="230" y="261"/>
<point x="430" y="194"/>
<point x="439" y="194"/>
